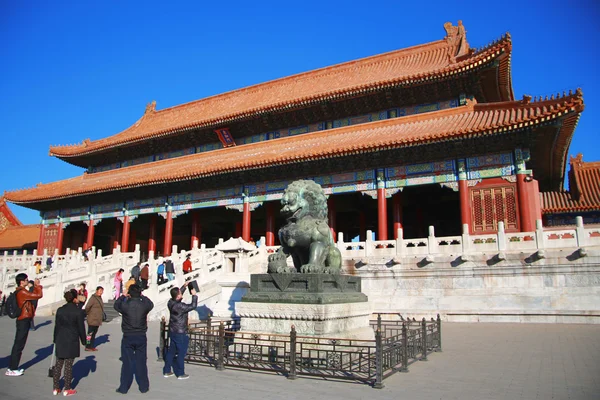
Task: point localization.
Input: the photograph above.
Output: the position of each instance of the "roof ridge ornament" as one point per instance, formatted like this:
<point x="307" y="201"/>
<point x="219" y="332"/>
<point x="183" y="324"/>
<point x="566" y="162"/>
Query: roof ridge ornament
<point x="150" y="107"/>
<point x="457" y="37"/>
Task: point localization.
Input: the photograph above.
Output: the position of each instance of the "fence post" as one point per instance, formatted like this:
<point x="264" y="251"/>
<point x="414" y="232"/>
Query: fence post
<point x="378" y="361"/>
<point x="209" y="334"/>
<point x="292" y="371"/>
<point x="221" y="348"/>
<point x="424" y="340"/>
<point x="439" y="329"/>
<point x="161" y="339"/>
<point x="404" y="348"/>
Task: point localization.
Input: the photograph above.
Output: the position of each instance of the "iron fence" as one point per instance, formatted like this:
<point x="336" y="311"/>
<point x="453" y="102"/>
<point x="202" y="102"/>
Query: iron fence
<point x="396" y="344"/>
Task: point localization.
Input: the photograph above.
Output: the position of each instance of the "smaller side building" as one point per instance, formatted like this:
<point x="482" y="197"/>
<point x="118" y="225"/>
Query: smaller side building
<point x="13" y="234"/>
<point x="560" y="208"/>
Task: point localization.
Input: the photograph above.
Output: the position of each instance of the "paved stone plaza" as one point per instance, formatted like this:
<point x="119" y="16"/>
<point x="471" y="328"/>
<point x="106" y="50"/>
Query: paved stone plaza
<point x="479" y="361"/>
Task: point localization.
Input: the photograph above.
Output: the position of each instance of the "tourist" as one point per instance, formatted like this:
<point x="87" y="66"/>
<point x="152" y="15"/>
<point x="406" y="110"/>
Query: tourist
<point x="118" y="283"/>
<point x="169" y="269"/>
<point x="160" y="272"/>
<point x="34" y="303"/>
<point x="24" y="298"/>
<point x="135" y="272"/>
<point x="134" y="309"/>
<point x="82" y="295"/>
<point x="187" y="265"/>
<point x="49" y="263"/>
<point x="130" y="281"/>
<point x="144" y="276"/>
<point x="38" y="267"/>
<point x="69" y="329"/>
<point x="178" y="326"/>
<point x="94" y="310"/>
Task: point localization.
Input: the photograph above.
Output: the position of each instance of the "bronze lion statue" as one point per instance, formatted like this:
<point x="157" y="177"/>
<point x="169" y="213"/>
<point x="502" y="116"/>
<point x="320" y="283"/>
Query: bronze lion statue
<point x="306" y="235"/>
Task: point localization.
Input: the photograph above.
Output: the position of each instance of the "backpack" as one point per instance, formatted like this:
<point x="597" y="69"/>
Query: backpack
<point x="161" y="269"/>
<point x="12" y="308"/>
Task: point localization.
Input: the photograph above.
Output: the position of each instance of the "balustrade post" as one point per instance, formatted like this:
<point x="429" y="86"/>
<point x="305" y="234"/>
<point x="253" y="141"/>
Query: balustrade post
<point x="400" y="243"/>
<point x="161" y="339"/>
<point x="539" y="235"/>
<point x="221" y="349"/>
<point x="209" y="334"/>
<point x="292" y="372"/>
<point x="424" y="340"/>
<point x="369" y="243"/>
<point x="404" y="348"/>
<point x="432" y="245"/>
<point x="580" y="231"/>
<point x="439" y="329"/>
<point x="378" y="360"/>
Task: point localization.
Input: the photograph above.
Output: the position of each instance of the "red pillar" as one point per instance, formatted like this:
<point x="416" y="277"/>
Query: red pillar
<point x="270" y="235"/>
<point x="529" y="203"/>
<point x="59" y="241"/>
<point x="465" y="203"/>
<point x="397" y="211"/>
<point x="382" y="230"/>
<point x="117" y="234"/>
<point x="152" y="234"/>
<point x="168" y="247"/>
<point x="40" y="246"/>
<point x="246" y="221"/>
<point x="331" y="214"/>
<point x="132" y="238"/>
<point x="90" y="234"/>
<point x="125" y="235"/>
<point x="196" y="229"/>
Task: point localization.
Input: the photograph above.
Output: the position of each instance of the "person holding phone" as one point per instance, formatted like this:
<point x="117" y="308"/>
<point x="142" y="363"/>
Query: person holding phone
<point x="178" y="325"/>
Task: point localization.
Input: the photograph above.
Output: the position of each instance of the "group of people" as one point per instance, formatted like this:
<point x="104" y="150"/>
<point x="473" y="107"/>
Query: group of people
<point x="69" y="331"/>
<point x="165" y="272"/>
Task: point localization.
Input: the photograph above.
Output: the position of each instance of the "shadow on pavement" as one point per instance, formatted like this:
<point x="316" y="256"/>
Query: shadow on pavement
<point x="101" y="339"/>
<point x="48" y="322"/>
<point x="82" y="369"/>
<point x="41" y="355"/>
<point x="4" y="362"/>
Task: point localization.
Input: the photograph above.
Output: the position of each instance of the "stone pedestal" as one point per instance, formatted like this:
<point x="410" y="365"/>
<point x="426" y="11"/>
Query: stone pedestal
<point x="319" y="305"/>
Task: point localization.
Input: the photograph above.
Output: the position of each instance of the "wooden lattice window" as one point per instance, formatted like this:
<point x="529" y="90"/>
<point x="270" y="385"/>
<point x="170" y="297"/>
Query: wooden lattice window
<point x="490" y="205"/>
<point x="51" y="238"/>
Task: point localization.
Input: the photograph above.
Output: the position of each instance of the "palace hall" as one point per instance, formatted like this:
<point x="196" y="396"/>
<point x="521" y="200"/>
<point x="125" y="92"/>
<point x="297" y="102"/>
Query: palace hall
<point x="430" y="135"/>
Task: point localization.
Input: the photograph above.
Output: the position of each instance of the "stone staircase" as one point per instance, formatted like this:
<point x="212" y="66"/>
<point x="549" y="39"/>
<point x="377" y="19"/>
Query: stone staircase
<point x="110" y="311"/>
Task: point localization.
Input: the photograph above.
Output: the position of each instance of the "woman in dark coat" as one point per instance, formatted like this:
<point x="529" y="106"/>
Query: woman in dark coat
<point x="69" y="329"/>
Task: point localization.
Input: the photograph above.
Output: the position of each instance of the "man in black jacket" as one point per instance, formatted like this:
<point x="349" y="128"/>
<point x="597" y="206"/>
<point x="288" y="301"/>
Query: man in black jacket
<point x="178" y="325"/>
<point x="134" y="309"/>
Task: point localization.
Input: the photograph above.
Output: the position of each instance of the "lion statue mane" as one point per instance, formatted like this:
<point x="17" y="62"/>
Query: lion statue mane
<point x="306" y="235"/>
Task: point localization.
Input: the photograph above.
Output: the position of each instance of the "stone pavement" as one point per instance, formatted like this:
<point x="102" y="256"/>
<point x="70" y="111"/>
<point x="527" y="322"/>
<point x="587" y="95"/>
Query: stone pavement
<point x="480" y="361"/>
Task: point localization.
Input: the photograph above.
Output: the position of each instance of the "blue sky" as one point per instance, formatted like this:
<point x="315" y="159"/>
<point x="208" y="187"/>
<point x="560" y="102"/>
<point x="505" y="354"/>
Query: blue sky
<point x="73" y="70"/>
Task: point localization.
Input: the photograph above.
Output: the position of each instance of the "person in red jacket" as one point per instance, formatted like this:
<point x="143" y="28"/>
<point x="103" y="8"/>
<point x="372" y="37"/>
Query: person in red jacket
<point x="187" y="265"/>
<point x="24" y="299"/>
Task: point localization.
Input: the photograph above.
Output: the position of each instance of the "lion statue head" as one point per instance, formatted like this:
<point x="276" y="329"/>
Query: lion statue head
<point x="304" y="198"/>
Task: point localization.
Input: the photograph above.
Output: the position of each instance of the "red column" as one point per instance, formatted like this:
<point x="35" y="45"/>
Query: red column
<point x="331" y="214"/>
<point x="397" y="211"/>
<point x="125" y="235"/>
<point x="117" y="234"/>
<point x="196" y="229"/>
<point x="168" y="247"/>
<point x="529" y="203"/>
<point x="59" y="241"/>
<point x="382" y="231"/>
<point x="270" y="236"/>
<point x="90" y="234"/>
<point x="132" y="239"/>
<point x="246" y="221"/>
<point x="152" y="234"/>
<point x="40" y="246"/>
<point x="465" y="203"/>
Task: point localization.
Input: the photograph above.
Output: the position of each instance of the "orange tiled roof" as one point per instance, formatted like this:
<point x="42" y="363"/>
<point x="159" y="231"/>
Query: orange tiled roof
<point x="584" y="189"/>
<point x="7" y="218"/>
<point x="470" y="120"/>
<point x="17" y="237"/>
<point x="435" y="60"/>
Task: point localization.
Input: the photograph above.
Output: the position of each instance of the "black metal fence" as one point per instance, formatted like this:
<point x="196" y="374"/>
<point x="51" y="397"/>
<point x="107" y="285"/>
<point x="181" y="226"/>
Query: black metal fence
<point x="396" y="344"/>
